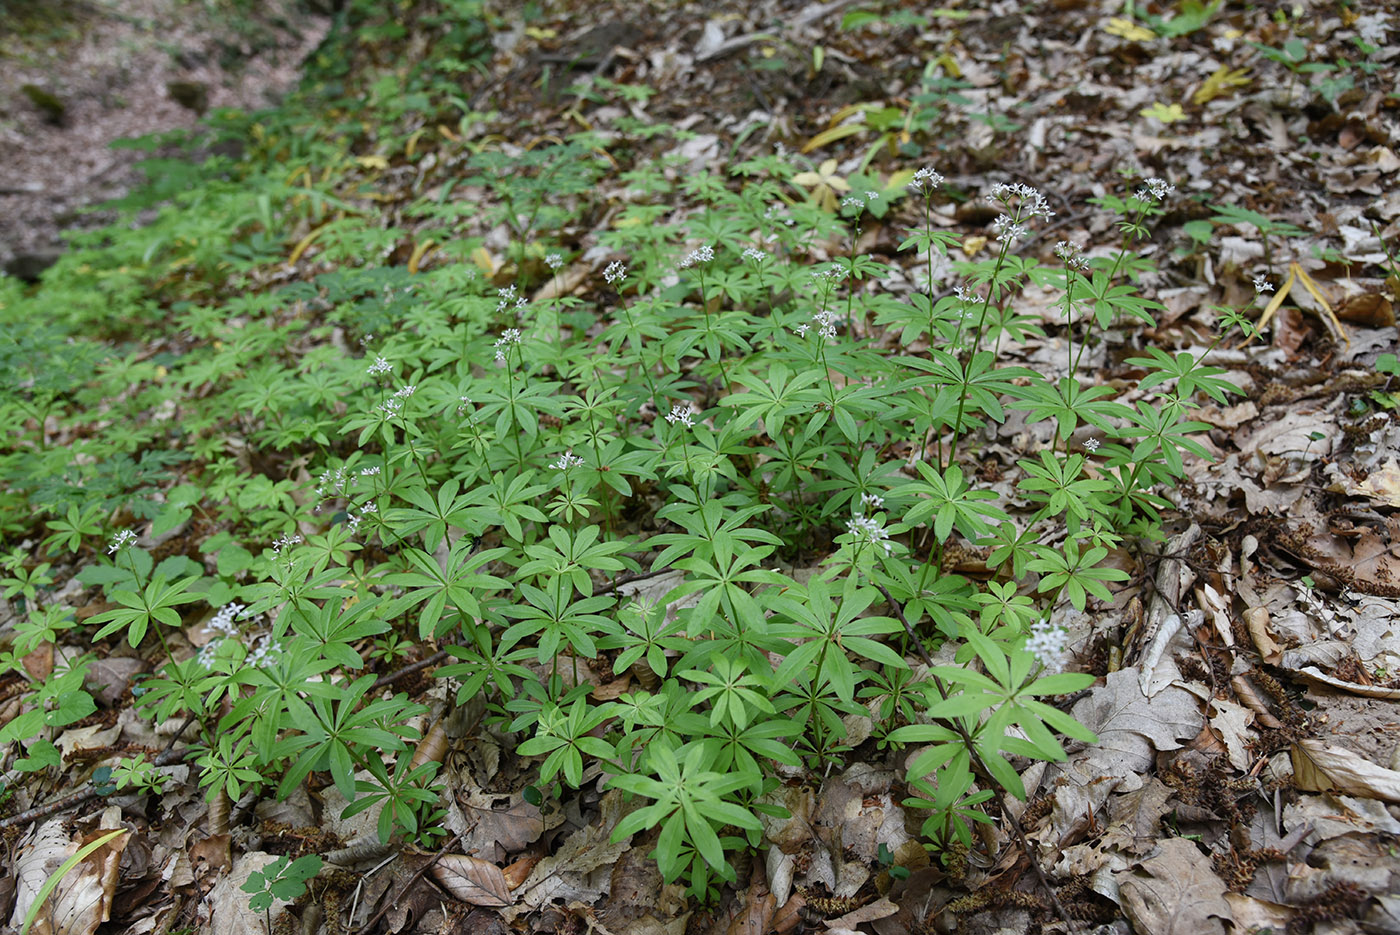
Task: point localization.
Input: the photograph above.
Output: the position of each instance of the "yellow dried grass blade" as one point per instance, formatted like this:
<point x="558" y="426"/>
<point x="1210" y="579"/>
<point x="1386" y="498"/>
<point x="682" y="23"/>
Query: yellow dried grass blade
<point x="832" y="135"/>
<point x="419" y="252"/>
<point x="1312" y="287"/>
<point x="1273" y="306"/>
<point x="302" y="244"/>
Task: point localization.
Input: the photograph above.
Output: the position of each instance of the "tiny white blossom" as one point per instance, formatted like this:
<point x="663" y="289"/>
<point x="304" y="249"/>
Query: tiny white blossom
<point x="872" y="499"/>
<point x="1049" y="644"/>
<point x="699" y="255"/>
<point x="682" y="415"/>
<point x="1091" y="445"/>
<point x="567" y="460"/>
<point x="852" y="202"/>
<point x="507" y="295"/>
<point x="872" y="196"/>
<point x="508" y="338"/>
<point x="1263" y="285"/>
<point x="964" y="295"/>
<point x="370" y="507"/>
<point x="379" y="366"/>
<point x="121" y="540"/>
<point x="925" y="180"/>
<point x="284" y="541"/>
<point x="755" y="254"/>
<point x="1156" y="190"/>
<point x="1029" y="202"/>
<point x="265" y="654"/>
<point x="802" y="329"/>
<point x="615" y="272"/>
<point x="208" y="653"/>
<point x="369" y="471"/>
<point x="223" y="621"/>
<point x="868" y="529"/>
<point x="554" y="260"/>
<point x="406" y="391"/>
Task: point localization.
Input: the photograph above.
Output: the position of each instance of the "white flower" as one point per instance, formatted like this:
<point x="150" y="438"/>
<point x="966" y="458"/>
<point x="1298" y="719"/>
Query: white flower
<point x="208" y="653"/>
<point x="872" y="196"/>
<point x="121" y="540"/>
<point x="872" y="499"/>
<point x="699" y="255"/>
<point x="966" y="296"/>
<point x="682" y="415"/>
<point x="614" y="272"/>
<point x="508" y="338"/>
<point x="369" y="471"/>
<point x="567" y="460"/>
<point x="379" y="366"/>
<point x="852" y="201"/>
<point x="802" y="329"/>
<point x="283" y="542"/>
<point x="755" y="254"/>
<point x="1007" y="230"/>
<point x="353" y="522"/>
<point x="223" y="620"/>
<point x="554" y="260"/>
<point x="925" y="180"/>
<point x="265" y="654"/>
<point x="1156" y="190"/>
<point x="826" y="321"/>
<point x="1049" y="644"/>
<point x="507" y="295"/>
<point x="868" y="529"/>
<point x="1263" y="285"/>
<point x="406" y="391"/>
<point x="1091" y="445"/>
<point x="1028" y="201"/>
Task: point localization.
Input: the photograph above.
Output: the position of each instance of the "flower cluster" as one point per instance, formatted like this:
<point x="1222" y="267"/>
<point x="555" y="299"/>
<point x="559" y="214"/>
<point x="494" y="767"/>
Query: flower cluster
<point x="699" y="255"/>
<point x="1156" y="190"/>
<point x="265" y="654"/>
<point x="1263" y="285"/>
<point x="554" y="260"/>
<point x="1022" y="201"/>
<point x="870" y="530"/>
<point x="1091" y="445"/>
<point x="924" y="181"/>
<point x="379" y="366"/>
<point x="510" y="337"/>
<point x="1070" y="253"/>
<point x="1049" y="644"/>
<point x="614" y="273"/>
<point x="567" y="460"/>
<point x="1008" y="231"/>
<point x="755" y="254"/>
<point x="682" y="415"/>
<point x="284" y="541"/>
<point x="353" y="523"/>
<point x="505" y="297"/>
<point x="826" y="324"/>
<point x="120" y="541"/>
<point x="223" y="621"/>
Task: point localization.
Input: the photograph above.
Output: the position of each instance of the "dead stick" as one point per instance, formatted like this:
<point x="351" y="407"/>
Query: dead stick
<point x="403" y="891"/>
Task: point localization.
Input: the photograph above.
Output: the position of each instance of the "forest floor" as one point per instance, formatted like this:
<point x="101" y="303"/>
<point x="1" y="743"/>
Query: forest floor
<point x="1247" y="701"/>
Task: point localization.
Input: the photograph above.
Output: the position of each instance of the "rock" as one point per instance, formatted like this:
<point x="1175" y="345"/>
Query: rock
<point x="191" y="95"/>
<point x="48" y="103"/>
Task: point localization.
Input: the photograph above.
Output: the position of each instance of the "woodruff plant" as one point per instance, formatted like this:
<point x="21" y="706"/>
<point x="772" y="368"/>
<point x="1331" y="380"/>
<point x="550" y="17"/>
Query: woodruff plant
<point x="783" y="441"/>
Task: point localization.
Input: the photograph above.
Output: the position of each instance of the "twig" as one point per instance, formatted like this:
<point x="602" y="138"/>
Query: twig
<point x="976" y="759"/>
<point x="404" y="889"/>
<point x="628" y="579"/>
<point x="392" y="677"/>
<point x="74" y="799"/>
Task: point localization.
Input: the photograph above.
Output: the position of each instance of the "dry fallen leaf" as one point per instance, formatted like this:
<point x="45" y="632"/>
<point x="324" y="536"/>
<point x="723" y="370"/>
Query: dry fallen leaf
<point x="473" y="880"/>
<point x="1175" y="893"/>
<point x="1318" y="767"/>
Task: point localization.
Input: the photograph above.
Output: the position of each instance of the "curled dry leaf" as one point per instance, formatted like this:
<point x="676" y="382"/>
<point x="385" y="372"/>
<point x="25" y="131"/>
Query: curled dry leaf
<point x="473" y="880"/>
<point x="1319" y="767"/>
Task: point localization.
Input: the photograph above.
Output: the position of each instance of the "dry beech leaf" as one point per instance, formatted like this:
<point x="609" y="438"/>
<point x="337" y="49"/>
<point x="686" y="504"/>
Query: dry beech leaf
<point x="1133" y="727"/>
<point x="1175" y="893"/>
<point x="1318" y="767"/>
<point x="473" y="880"/>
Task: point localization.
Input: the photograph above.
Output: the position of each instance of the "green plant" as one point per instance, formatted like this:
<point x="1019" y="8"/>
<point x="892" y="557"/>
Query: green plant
<point x="283" y="879"/>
